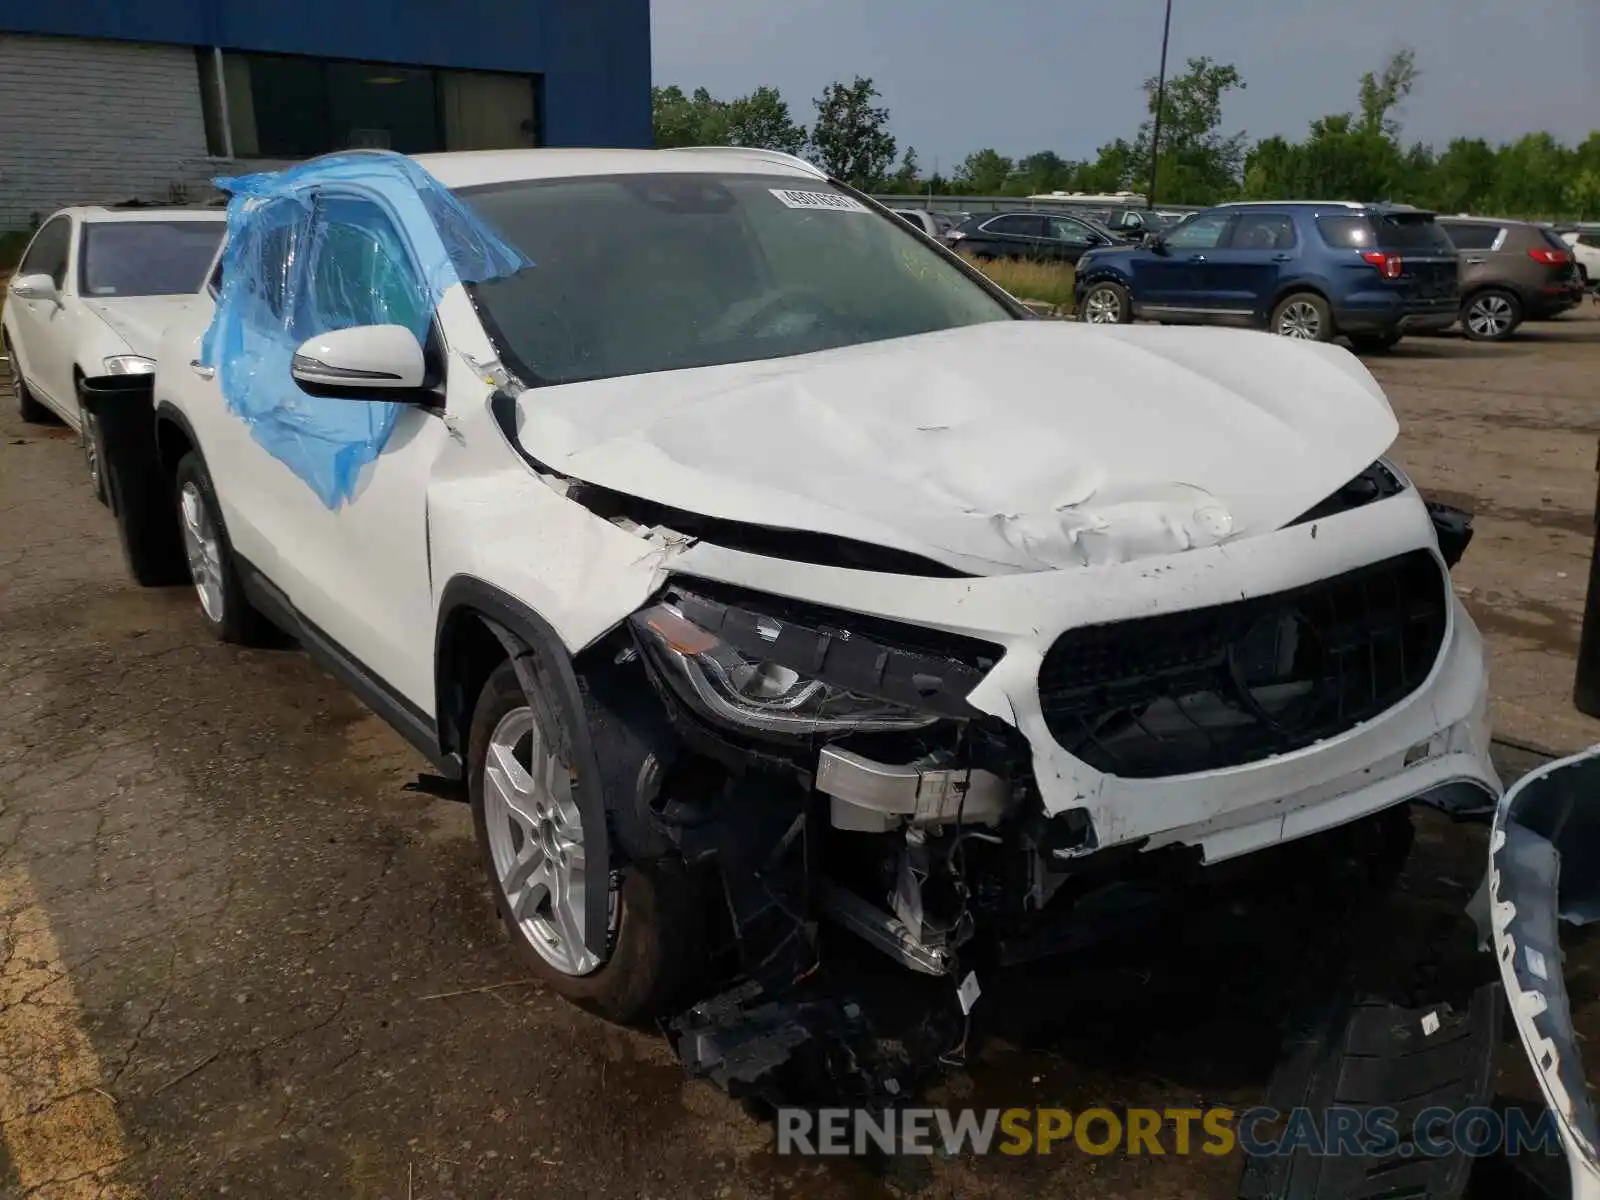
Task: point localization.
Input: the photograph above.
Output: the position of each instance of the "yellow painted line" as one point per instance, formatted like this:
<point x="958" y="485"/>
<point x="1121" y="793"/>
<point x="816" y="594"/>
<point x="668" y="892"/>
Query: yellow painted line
<point x="59" y="1129"/>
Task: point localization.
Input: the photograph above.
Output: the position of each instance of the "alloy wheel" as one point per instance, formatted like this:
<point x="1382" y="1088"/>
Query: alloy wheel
<point x="91" y="451"/>
<point x="203" y="548"/>
<point x="1489" y="316"/>
<point x="1103" y="307"/>
<point x="536" y="841"/>
<point x="1300" y="320"/>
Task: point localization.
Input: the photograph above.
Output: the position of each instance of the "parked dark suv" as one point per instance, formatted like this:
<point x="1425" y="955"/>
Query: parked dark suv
<point x="1053" y="237"/>
<point x="1512" y="271"/>
<point x="1301" y="269"/>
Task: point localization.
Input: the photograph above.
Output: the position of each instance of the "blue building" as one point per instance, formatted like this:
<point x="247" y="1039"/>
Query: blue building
<point x="110" y="100"/>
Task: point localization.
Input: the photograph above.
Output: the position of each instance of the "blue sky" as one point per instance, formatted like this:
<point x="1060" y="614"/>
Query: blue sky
<point x="1024" y="75"/>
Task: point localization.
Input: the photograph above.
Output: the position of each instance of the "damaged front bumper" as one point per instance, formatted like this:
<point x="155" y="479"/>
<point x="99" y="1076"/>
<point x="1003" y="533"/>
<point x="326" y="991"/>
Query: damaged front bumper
<point x="1544" y="868"/>
<point x="1089" y="664"/>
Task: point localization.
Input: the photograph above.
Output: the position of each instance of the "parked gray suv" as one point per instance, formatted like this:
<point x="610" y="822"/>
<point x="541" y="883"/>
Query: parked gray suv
<point x="1511" y="271"/>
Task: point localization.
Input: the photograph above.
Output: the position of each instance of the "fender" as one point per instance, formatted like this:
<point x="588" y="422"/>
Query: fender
<point x="542" y="662"/>
<point x="168" y="413"/>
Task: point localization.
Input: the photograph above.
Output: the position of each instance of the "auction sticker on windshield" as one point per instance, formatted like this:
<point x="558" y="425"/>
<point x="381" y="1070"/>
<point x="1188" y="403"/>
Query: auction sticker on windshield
<point x="819" y="200"/>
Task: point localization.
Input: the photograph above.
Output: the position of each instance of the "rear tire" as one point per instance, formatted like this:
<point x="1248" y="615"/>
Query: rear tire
<point x="657" y="920"/>
<point x="31" y="410"/>
<point x="212" y="568"/>
<point x="1491" y="315"/>
<point x="1304" y="316"/>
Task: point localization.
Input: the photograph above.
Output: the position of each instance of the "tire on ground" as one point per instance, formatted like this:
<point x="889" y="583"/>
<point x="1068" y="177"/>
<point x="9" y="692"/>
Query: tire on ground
<point x="657" y="945"/>
<point x="239" y="622"/>
<point x="1324" y="315"/>
<point x="1110" y="294"/>
<point x="31" y="410"/>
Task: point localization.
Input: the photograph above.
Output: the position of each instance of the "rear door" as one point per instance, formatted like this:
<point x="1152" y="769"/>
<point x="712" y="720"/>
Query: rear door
<point x="1239" y="279"/>
<point x="1015" y="235"/>
<point x="1476" y="242"/>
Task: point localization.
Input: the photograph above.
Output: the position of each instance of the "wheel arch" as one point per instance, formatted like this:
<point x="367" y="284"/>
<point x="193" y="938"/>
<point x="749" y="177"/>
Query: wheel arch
<point x="1315" y="287"/>
<point x="474" y="618"/>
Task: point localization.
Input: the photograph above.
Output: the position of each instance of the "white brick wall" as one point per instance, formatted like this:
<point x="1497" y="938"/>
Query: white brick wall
<point x="95" y="122"/>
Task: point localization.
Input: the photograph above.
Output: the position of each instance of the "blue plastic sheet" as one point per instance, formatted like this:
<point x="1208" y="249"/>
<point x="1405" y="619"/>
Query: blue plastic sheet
<point x="349" y="239"/>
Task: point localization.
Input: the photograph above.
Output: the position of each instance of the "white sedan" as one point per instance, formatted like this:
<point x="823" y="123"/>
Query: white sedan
<point x="93" y="293"/>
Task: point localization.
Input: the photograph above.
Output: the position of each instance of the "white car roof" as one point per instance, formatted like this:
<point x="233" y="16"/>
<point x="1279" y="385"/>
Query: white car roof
<point x="470" y="168"/>
<point x="96" y="212"/>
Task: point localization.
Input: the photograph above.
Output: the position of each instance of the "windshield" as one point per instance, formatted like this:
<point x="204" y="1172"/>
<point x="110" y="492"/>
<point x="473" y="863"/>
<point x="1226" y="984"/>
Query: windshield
<point x="642" y="273"/>
<point x="147" y="258"/>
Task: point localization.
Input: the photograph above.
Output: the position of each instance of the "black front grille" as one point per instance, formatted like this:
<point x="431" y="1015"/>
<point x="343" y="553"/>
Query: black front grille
<point x="1216" y="687"/>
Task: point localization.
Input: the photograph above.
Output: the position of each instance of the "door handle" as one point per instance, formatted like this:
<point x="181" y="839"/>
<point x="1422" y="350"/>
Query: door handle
<point x="1197" y="258"/>
<point x="1282" y="257"/>
<point x="200" y="369"/>
<point x="1474" y="262"/>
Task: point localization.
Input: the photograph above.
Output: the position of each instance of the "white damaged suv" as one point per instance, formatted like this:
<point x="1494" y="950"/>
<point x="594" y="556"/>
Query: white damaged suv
<point x="751" y="561"/>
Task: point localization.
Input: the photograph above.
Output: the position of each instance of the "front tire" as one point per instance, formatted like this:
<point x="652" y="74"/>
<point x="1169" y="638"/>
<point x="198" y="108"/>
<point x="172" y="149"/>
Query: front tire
<point x="1304" y="316"/>
<point x="212" y="568"/>
<point x="521" y="781"/>
<point x="1491" y="315"/>
<point x="94" y="455"/>
<point x="1106" y="304"/>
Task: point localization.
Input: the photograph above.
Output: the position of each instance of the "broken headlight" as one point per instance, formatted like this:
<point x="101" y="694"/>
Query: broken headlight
<point x="746" y="689"/>
<point x="788" y="673"/>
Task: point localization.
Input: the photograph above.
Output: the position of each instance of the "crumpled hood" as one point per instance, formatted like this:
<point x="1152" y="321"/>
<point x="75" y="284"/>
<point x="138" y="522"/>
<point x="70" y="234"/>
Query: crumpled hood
<point x="139" y="320"/>
<point x="1004" y="447"/>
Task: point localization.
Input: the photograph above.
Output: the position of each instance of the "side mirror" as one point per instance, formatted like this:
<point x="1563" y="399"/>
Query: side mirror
<point x="1155" y="242"/>
<point x="35" y="287"/>
<point x="369" y="362"/>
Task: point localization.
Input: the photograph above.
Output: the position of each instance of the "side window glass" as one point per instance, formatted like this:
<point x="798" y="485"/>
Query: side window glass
<point x="1016" y="225"/>
<point x="48" y="253"/>
<point x="1074" y="233"/>
<point x="1263" y="231"/>
<point x="1200" y="233"/>
<point x="361" y="273"/>
<point x="1472" y="237"/>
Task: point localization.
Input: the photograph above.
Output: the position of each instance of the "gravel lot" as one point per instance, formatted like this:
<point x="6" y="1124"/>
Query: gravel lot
<point x="228" y="925"/>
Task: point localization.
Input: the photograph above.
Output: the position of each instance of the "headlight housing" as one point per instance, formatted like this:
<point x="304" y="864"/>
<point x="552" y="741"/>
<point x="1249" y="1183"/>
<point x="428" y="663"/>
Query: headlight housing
<point x="796" y="676"/>
<point x="129" y="364"/>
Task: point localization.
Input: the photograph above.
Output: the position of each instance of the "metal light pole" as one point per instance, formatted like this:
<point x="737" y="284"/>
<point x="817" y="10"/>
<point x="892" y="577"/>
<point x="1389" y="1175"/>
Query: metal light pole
<point x="1161" y="96"/>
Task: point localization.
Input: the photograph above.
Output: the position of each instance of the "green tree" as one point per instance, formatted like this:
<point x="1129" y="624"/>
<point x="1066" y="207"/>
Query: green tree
<point x="907" y="177"/>
<point x="1111" y="170"/>
<point x="985" y="172"/>
<point x="1045" y="171"/>
<point x="680" y="120"/>
<point x="762" y="119"/>
<point x="850" y="138"/>
<point x="1463" y="175"/>
<point x="1531" y="177"/>
<point x="1383" y="92"/>
<point x="1199" y="165"/>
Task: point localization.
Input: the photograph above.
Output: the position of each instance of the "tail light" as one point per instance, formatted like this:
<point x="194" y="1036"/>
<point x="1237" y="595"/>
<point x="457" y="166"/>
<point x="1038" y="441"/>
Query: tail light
<point x="1550" y="258"/>
<point x="1389" y="265"/>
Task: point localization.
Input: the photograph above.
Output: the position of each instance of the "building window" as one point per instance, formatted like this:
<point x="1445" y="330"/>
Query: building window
<point x="287" y="106"/>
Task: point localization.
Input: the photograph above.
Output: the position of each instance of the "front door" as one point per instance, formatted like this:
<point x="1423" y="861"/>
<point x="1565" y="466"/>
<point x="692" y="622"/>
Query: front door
<point x="43" y="327"/>
<point x="1172" y="279"/>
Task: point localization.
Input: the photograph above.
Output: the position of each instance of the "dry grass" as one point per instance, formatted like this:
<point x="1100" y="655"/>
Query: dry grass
<point x="1048" y="283"/>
